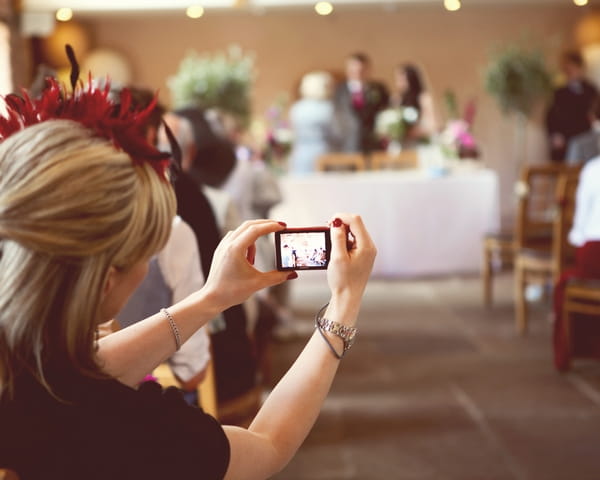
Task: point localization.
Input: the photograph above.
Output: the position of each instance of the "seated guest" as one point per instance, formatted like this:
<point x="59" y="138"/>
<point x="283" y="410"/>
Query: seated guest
<point x="585" y="235"/>
<point x="172" y="275"/>
<point x="410" y="93"/>
<point x="234" y="354"/>
<point x="311" y="119"/>
<point x="85" y="203"/>
<point x="585" y="146"/>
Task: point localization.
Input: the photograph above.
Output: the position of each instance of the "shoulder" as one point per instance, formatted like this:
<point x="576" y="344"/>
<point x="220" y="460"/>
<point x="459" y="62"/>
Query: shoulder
<point x="591" y="168"/>
<point x="151" y="433"/>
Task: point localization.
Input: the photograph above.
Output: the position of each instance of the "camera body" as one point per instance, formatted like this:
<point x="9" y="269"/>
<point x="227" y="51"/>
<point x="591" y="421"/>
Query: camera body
<point x="302" y="248"/>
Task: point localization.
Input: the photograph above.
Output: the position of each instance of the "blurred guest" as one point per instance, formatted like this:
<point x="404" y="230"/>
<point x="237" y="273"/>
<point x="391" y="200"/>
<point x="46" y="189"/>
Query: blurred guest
<point x="568" y="115"/>
<point x="357" y="101"/>
<point x="235" y="362"/>
<point x="585" y="235"/>
<point x="585" y="146"/>
<point x="311" y="119"/>
<point x="410" y="93"/>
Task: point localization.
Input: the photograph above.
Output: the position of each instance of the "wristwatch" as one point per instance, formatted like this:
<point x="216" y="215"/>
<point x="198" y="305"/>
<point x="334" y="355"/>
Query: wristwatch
<point x="347" y="334"/>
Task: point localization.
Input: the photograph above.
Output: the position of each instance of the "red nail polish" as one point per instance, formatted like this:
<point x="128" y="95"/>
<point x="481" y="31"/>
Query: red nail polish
<point x="283" y="224"/>
<point x="337" y="223"/>
<point x="292" y="275"/>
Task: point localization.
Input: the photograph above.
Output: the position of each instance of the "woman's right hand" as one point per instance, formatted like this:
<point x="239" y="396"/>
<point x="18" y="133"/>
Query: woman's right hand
<point x="233" y="278"/>
<point x="352" y="256"/>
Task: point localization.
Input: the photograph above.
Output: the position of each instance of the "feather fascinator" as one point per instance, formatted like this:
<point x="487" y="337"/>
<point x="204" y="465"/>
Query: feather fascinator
<point x="119" y="122"/>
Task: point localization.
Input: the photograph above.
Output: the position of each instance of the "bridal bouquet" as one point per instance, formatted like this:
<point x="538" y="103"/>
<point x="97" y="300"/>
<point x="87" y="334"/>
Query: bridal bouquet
<point x="392" y="123"/>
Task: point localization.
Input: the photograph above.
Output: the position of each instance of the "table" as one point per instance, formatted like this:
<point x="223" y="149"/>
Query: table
<point x="422" y="225"/>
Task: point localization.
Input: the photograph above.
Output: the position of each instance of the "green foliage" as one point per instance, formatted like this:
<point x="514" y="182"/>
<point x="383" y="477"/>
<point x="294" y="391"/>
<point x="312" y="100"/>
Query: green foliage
<point x="518" y="79"/>
<point x="223" y="80"/>
<point x="451" y="103"/>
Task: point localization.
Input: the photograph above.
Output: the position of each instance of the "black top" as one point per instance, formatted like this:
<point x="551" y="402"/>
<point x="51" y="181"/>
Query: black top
<point x="108" y="431"/>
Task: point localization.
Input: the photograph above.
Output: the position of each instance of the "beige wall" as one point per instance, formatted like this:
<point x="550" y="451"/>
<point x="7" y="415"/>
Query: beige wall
<point x="452" y="49"/>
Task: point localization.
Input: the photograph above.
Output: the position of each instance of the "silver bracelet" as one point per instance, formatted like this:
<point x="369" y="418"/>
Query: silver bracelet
<point x="174" y="328"/>
<point x="347" y="334"/>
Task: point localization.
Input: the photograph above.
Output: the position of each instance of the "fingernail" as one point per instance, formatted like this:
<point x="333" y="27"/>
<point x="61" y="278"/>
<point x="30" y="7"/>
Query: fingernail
<point x="337" y="223"/>
<point x="292" y="275"/>
<point x="283" y="224"/>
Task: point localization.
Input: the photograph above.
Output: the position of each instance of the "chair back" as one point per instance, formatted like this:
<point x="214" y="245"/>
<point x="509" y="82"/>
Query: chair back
<point x="537" y="205"/>
<point x="406" y="159"/>
<point x="563" y="253"/>
<point x="339" y="161"/>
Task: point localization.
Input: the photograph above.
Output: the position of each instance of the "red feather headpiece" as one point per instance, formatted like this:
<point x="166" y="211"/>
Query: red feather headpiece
<point x="93" y="108"/>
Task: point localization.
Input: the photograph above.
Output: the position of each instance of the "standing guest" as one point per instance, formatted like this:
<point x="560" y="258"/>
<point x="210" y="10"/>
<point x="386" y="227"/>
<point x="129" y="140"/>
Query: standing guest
<point x="357" y="101"/>
<point x="411" y="95"/>
<point x="585" y="146"/>
<point x="585" y="235"/>
<point x="570" y="108"/>
<point x="311" y="120"/>
<point x="85" y="202"/>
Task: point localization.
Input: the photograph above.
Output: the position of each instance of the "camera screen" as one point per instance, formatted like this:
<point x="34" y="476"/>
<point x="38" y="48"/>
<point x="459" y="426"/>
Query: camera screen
<point x="303" y="250"/>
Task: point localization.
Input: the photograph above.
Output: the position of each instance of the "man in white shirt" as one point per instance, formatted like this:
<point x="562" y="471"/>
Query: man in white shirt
<point x="173" y="274"/>
<point x="586" y="223"/>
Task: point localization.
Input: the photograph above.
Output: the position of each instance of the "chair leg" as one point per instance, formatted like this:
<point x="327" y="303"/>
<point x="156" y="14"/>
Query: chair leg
<point x="487" y="278"/>
<point x="568" y="340"/>
<point x="520" y="303"/>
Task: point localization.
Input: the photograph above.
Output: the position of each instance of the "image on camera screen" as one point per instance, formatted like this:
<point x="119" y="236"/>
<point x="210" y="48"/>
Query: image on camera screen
<point x="301" y="250"/>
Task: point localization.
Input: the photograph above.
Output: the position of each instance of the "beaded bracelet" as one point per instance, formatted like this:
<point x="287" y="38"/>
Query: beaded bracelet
<point x="174" y="328"/>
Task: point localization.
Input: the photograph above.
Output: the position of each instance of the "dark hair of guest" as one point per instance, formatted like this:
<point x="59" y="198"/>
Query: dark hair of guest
<point x="410" y="98"/>
<point x="573" y="57"/>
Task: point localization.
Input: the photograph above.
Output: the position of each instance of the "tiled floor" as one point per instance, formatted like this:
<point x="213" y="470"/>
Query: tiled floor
<point x="437" y="387"/>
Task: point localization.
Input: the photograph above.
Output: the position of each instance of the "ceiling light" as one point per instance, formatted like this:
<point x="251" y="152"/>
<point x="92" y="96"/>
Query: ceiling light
<point x="452" y="5"/>
<point x="64" y="14"/>
<point x="324" y="8"/>
<point x="195" y="11"/>
<point x="580" y="3"/>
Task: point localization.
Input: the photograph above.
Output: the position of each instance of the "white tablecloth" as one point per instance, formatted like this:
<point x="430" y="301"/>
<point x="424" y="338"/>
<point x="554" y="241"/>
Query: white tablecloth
<point x="421" y="225"/>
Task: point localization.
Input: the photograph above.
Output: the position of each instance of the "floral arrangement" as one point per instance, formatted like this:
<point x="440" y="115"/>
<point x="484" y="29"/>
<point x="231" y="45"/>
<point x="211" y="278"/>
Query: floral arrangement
<point x="392" y="123"/>
<point x="277" y="132"/>
<point x="222" y="81"/>
<point x="456" y="139"/>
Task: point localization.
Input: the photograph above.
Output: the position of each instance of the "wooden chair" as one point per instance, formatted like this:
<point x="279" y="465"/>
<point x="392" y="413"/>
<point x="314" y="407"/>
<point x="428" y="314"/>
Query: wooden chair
<point x="540" y="264"/>
<point x="581" y="297"/>
<point x="406" y="159"/>
<point x="339" y="161"/>
<point x="240" y="410"/>
<point x="207" y="392"/>
<point x="536" y="191"/>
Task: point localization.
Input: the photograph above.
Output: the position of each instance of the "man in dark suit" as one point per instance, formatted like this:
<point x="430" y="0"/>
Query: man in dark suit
<point x="357" y="101"/>
<point x="568" y="115"/>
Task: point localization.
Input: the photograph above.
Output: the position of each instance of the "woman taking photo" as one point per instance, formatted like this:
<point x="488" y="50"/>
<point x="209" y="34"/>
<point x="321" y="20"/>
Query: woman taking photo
<point x="84" y="203"/>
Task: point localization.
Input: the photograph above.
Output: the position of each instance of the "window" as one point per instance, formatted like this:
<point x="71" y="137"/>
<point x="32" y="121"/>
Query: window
<point x="5" y="67"/>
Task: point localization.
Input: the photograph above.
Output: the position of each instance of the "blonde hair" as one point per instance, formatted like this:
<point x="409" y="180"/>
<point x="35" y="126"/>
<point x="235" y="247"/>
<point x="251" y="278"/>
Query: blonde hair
<point x="316" y="85"/>
<point x="71" y="206"/>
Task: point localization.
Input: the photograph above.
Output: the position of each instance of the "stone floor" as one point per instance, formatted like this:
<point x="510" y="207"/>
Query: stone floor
<point x="437" y="387"/>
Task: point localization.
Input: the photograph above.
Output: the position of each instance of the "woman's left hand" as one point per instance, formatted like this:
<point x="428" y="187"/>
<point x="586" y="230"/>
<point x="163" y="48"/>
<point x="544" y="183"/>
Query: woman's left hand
<point x="233" y="277"/>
